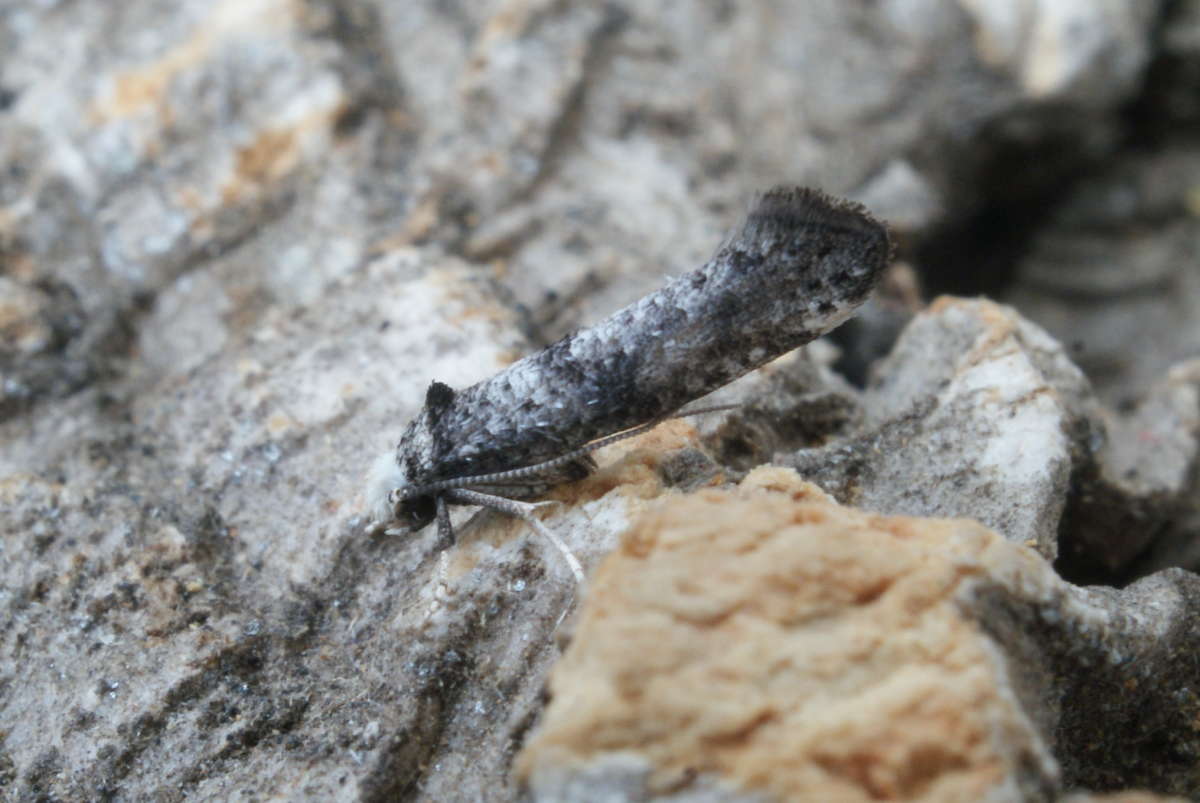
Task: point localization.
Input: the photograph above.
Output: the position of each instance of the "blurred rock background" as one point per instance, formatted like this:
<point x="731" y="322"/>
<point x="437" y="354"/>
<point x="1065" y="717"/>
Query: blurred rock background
<point x="239" y="238"/>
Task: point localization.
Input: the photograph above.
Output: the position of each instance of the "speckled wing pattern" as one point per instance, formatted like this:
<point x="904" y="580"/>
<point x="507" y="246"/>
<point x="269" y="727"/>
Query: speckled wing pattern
<point x="797" y="267"/>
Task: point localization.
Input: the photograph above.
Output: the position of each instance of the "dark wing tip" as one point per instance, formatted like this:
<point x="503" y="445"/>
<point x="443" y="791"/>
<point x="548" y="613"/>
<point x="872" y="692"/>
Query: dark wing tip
<point x="813" y="205"/>
<point x="800" y="208"/>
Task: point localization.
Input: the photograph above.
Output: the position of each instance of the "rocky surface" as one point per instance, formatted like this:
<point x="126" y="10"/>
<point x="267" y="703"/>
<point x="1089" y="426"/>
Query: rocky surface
<point x="238" y="240"/>
<point x="765" y="644"/>
<point x="975" y="412"/>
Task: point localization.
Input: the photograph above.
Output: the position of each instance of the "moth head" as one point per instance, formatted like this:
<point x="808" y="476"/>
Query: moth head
<point x="384" y="479"/>
<point x="386" y="482"/>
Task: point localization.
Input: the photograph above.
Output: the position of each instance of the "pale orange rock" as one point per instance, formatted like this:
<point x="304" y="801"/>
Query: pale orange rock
<point x="777" y="645"/>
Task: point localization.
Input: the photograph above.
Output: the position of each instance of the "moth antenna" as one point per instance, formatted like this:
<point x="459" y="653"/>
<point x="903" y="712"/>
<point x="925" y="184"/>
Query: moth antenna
<point x="513" y="474"/>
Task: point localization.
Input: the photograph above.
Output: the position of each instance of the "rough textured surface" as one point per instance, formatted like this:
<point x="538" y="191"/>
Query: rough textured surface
<point x="793" y="649"/>
<point x="771" y="645"/>
<point x="179" y="631"/>
<point x="977" y="413"/>
<point x="239" y="239"/>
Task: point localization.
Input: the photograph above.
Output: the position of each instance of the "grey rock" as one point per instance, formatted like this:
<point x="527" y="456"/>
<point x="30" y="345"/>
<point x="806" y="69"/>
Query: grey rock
<point x="975" y="413"/>
<point x="902" y="197"/>
<point x="979" y="413"/>
<point x="142" y="154"/>
<point x="794" y="402"/>
<point x="1073" y="50"/>
<point x="211" y="617"/>
<point x="1137" y="493"/>
<point x="1122" y="692"/>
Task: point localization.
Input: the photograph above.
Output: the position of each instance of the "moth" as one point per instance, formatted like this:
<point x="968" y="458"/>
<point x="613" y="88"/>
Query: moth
<point x="797" y="266"/>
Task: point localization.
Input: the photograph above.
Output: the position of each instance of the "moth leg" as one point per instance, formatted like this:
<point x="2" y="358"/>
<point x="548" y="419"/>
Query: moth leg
<point x="523" y="511"/>
<point x="441" y="589"/>
<point x="445" y="530"/>
<point x="441" y="575"/>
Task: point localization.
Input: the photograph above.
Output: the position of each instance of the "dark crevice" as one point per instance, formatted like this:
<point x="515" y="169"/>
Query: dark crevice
<point x="977" y="252"/>
<point x="1168" y="106"/>
<point x="1012" y="191"/>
